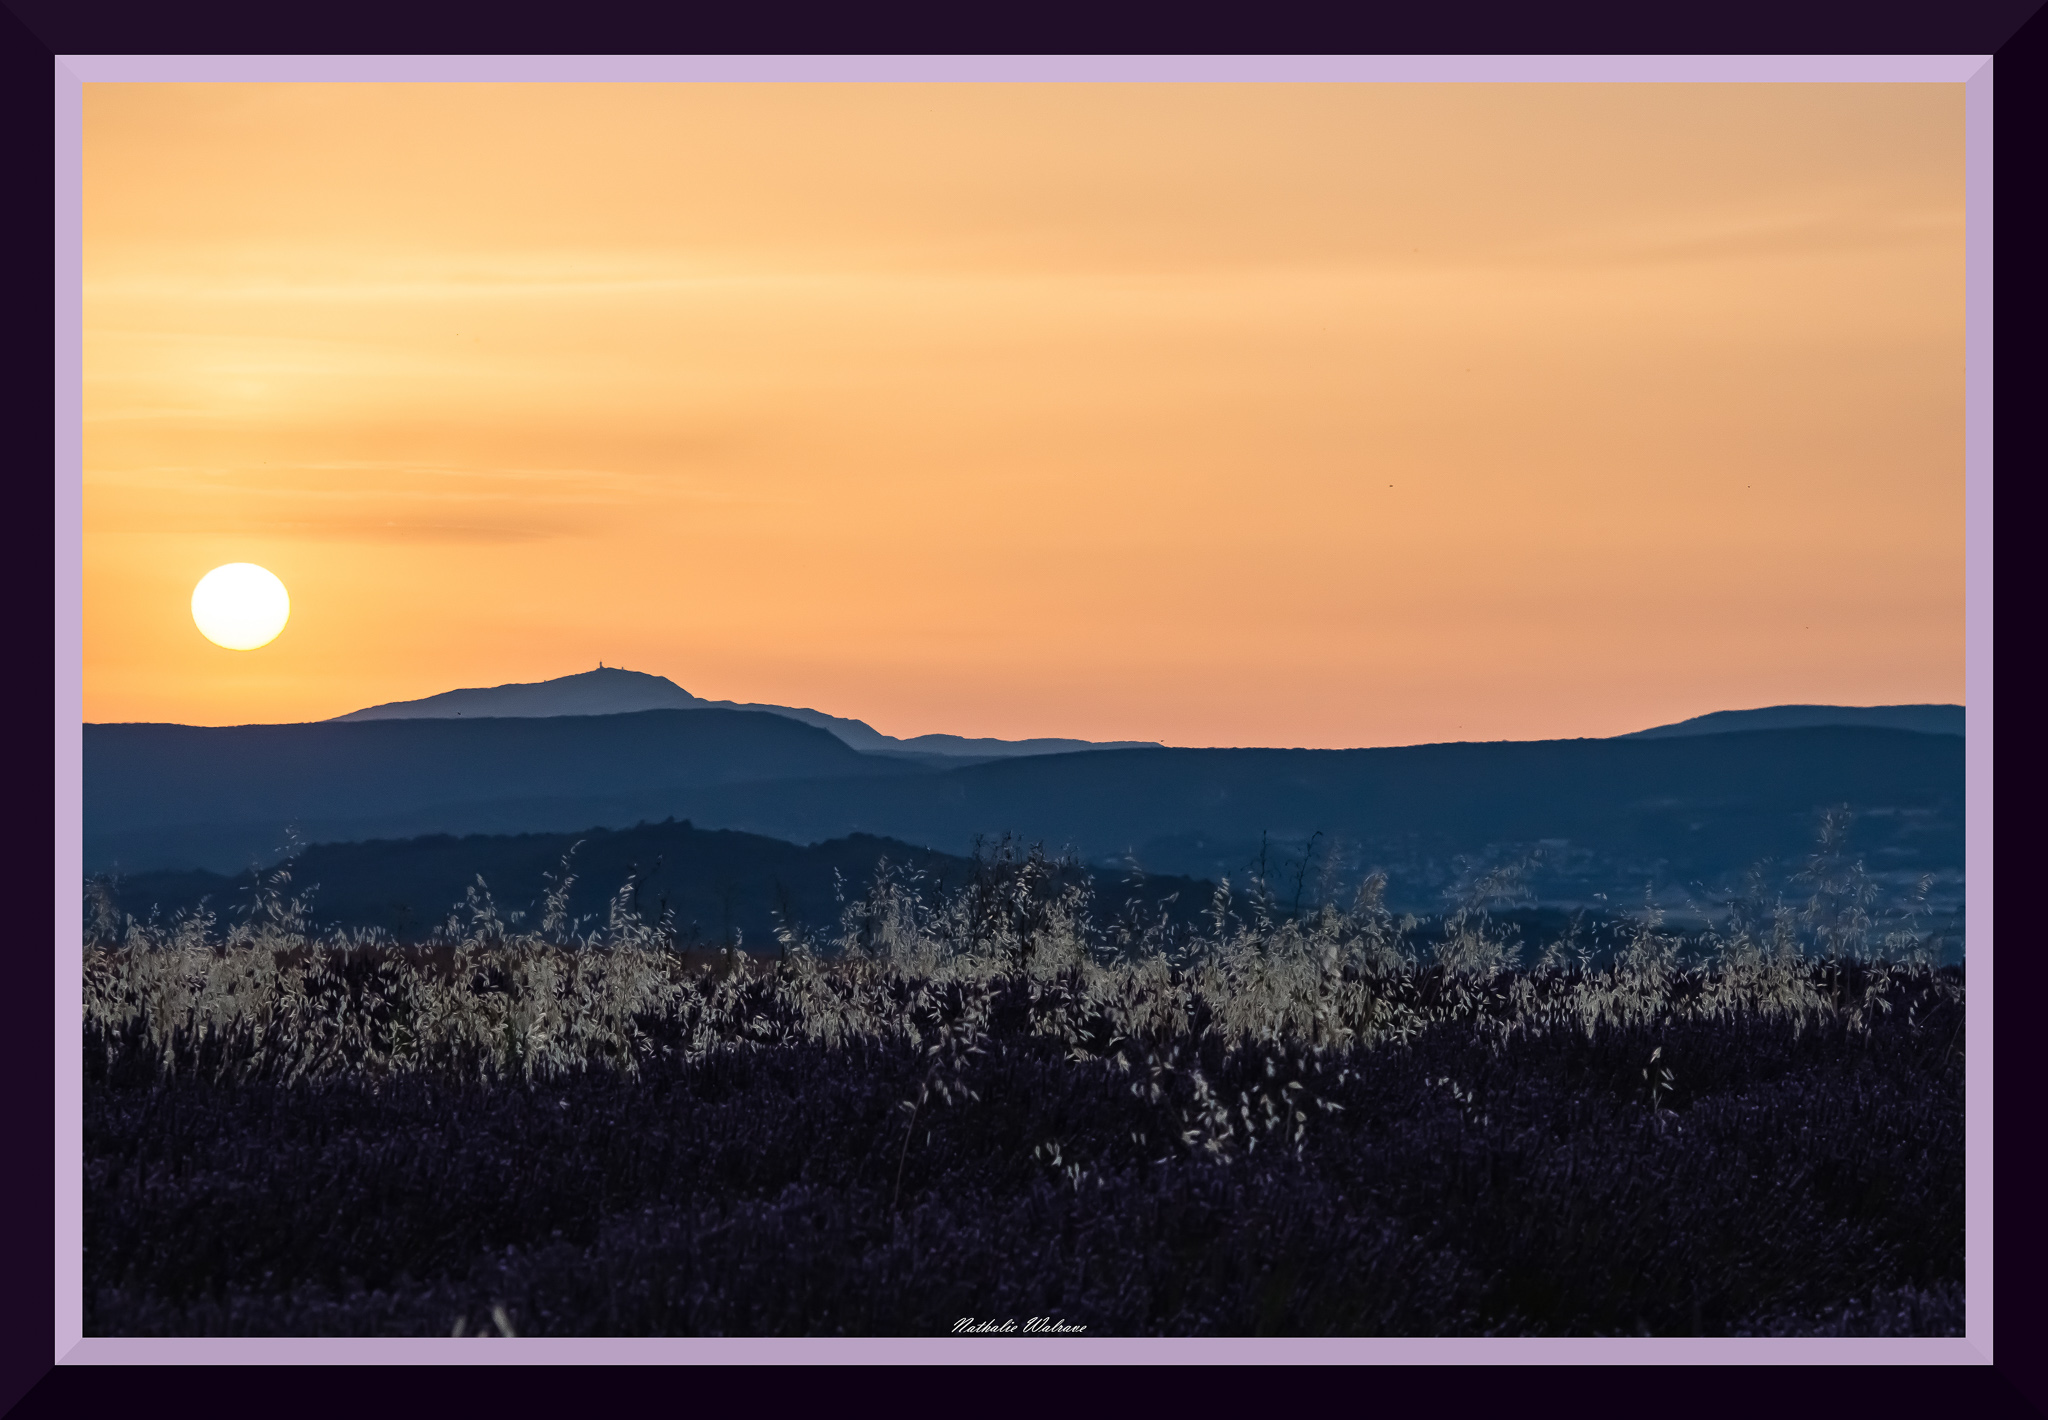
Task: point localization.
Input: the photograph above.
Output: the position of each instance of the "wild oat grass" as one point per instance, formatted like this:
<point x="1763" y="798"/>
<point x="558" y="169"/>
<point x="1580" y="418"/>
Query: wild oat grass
<point x="265" y="998"/>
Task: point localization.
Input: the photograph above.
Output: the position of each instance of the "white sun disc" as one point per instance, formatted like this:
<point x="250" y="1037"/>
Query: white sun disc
<point x="240" y="606"/>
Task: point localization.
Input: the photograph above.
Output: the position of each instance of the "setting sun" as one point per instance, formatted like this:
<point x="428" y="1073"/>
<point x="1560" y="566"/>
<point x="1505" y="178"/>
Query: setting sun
<point x="240" y="606"/>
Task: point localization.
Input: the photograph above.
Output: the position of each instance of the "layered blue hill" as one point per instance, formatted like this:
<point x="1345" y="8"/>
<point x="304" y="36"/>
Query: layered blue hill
<point x="217" y="797"/>
<point x="709" y="886"/>
<point x="1609" y="816"/>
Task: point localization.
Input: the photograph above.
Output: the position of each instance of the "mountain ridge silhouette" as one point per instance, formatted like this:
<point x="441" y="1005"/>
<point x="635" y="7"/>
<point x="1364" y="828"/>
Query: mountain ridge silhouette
<point x="612" y="690"/>
<point x="1610" y="814"/>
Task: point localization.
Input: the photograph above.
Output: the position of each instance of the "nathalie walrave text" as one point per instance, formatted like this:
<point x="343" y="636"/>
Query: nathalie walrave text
<point x="1033" y="1326"/>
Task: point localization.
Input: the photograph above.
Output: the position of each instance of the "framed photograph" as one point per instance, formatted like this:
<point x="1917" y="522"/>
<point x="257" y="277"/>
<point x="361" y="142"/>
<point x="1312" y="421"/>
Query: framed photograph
<point x="895" y="709"/>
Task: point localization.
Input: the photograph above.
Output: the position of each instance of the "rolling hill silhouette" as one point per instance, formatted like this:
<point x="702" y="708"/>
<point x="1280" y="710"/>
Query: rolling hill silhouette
<point x="1927" y="719"/>
<point x="721" y="887"/>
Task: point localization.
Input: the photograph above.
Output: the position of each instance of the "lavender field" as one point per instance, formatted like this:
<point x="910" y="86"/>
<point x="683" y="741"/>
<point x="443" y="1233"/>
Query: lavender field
<point x="1006" y="1102"/>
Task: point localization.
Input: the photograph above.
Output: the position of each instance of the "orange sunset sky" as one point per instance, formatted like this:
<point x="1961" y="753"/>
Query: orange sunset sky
<point x="1320" y="415"/>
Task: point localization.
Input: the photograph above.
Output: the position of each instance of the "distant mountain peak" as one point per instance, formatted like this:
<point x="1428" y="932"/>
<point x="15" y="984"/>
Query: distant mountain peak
<point x="613" y="690"/>
<point x="608" y="690"/>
